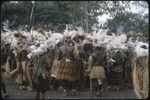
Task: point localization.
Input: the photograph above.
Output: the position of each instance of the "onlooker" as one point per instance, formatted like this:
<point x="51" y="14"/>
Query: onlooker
<point x="3" y="89"/>
<point x="40" y="77"/>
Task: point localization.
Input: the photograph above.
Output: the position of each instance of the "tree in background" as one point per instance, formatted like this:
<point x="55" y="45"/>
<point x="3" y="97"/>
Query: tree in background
<point x="17" y="14"/>
<point x="56" y="14"/>
<point x="127" y="22"/>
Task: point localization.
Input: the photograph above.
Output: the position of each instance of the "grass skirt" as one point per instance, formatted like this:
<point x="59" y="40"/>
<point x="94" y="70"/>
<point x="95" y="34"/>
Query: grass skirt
<point x="97" y="72"/>
<point x="68" y="70"/>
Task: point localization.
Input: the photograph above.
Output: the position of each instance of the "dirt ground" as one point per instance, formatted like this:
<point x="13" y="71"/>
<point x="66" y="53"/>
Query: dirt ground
<point x="15" y="93"/>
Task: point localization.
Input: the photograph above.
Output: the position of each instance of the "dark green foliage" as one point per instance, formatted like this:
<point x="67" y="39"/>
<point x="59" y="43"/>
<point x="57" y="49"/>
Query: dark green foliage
<point x="128" y="22"/>
<point x="78" y="13"/>
<point x="17" y="14"/>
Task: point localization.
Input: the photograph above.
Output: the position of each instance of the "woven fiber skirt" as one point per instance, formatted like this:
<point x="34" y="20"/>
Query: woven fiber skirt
<point x="68" y="70"/>
<point x="97" y="72"/>
<point x="55" y="68"/>
<point x="141" y="77"/>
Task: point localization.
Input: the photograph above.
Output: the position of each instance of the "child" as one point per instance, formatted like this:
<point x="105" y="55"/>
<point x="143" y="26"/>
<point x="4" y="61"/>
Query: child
<point x="3" y="87"/>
